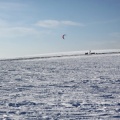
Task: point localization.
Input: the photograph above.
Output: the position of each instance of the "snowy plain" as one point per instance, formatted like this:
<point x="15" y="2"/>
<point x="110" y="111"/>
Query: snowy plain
<point x="61" y="88"/>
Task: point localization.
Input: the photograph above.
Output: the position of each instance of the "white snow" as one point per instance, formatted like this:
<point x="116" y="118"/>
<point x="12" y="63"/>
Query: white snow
<point x="61" y="88"/>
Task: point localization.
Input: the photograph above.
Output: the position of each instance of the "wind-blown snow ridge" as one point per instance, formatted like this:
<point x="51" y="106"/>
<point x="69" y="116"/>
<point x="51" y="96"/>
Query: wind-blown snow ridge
<point x="65" y="54"/>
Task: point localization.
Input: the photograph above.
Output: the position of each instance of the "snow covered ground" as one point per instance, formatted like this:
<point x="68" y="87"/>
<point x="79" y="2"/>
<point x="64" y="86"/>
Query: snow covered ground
<point x="65" y="88"/>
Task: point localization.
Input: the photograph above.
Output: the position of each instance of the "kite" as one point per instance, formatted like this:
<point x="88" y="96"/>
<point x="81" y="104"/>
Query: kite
<point x="63" y="36"/>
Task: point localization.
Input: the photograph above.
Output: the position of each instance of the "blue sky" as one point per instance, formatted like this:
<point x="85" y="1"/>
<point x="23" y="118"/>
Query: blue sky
<point x="30" y="27"/>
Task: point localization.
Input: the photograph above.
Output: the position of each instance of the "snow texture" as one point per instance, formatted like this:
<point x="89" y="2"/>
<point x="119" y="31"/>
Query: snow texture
<point x="67" y="88"/>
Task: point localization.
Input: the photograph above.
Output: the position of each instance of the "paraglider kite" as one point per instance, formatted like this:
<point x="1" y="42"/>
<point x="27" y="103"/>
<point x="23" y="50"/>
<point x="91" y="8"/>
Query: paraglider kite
<point x="63" y="36"/>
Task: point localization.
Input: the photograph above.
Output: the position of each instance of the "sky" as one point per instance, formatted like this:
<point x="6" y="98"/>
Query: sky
<point x="31" y="27"/>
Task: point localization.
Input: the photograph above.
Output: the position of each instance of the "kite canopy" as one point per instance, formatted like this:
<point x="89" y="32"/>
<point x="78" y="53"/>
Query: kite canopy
<point x="63" y="36"/>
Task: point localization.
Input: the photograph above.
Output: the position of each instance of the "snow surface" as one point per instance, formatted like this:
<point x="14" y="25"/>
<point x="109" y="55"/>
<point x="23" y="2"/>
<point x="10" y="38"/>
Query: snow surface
<point x="67" y="88"/>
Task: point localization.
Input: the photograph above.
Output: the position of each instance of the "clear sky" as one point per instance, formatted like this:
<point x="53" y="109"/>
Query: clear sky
<point x="30" y="27"/>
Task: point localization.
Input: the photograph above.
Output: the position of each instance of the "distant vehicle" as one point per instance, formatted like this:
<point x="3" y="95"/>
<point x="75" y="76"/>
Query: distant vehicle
<point x="90" y="53"/>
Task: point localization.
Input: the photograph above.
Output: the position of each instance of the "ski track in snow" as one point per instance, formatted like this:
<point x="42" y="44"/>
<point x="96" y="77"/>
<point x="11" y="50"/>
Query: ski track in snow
<point x="69" y="88"/>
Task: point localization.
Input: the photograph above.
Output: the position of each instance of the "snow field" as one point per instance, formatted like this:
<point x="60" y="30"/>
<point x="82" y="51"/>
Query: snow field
<point x="68" y="88"/>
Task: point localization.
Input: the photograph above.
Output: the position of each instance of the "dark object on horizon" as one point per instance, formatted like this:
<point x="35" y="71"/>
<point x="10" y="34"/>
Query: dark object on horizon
<point x="93" y="53"/>
<point x="90" y="53"/>
<point x="86" y="53"/>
